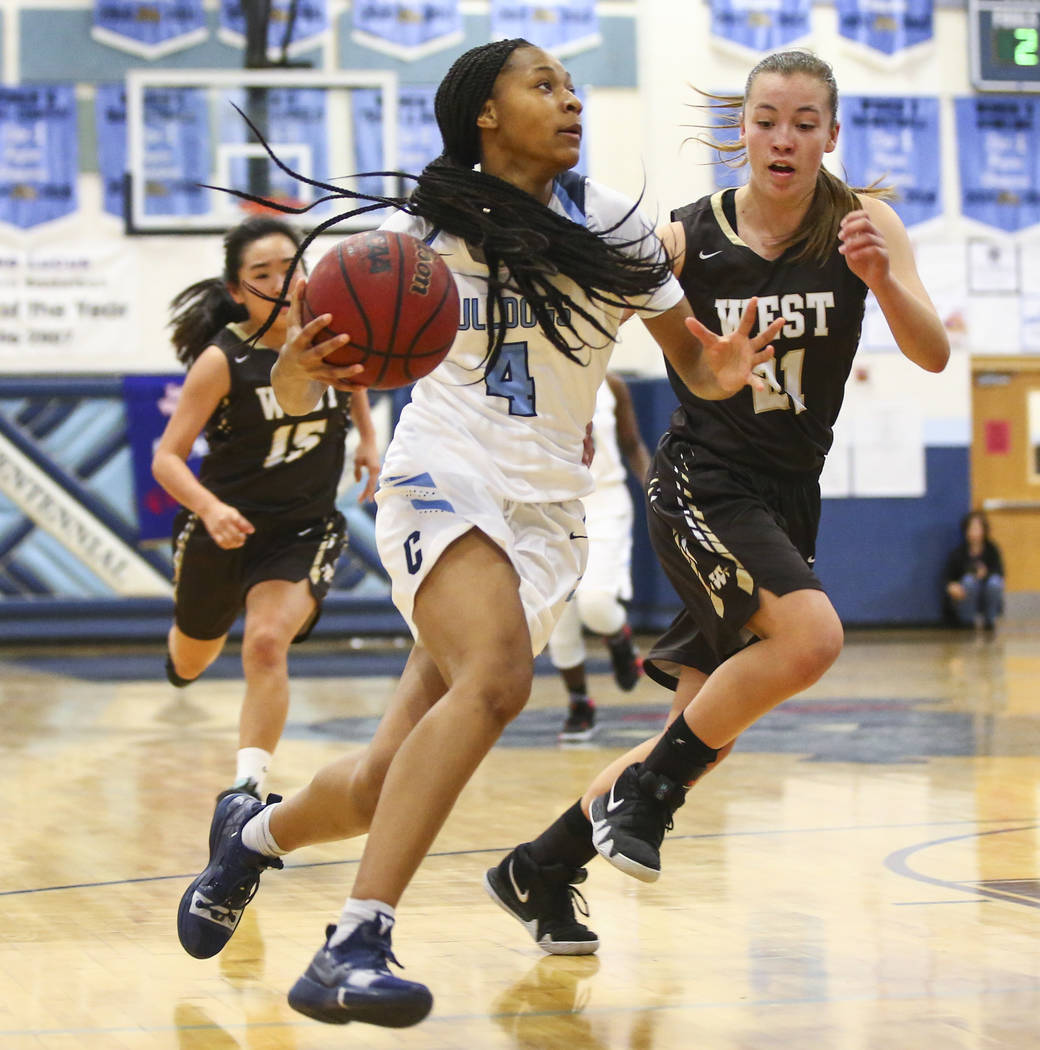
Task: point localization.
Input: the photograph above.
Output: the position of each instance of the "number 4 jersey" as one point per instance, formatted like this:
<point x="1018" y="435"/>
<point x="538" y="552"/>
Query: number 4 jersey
<point x="788" y="427"/>
<point x="519" y="423"/>
<point x="261" y="461"/>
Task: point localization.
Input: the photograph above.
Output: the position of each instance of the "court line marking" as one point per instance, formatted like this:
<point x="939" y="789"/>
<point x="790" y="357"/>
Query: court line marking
<point x="496" y="850"/>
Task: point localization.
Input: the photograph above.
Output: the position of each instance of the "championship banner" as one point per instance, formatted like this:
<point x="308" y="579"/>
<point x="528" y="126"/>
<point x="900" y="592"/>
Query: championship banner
<point x="110" y="121"/>
<point x="149" y="28"/>
<point x="407" y="29"/>
<point x="760" y="25"/>
<point x="999" y="159"/>
<point x="149" y="401"/>
<point x="563" y="27"/>
<point x="895" y="140"/>
<point x="418" y="137"/>
<point x="39" y="154"/>
<point x="886" y="28"/>
<point x="294" y="25"/>
<point x="295" y="123"/>
<point x="176" y="123"/>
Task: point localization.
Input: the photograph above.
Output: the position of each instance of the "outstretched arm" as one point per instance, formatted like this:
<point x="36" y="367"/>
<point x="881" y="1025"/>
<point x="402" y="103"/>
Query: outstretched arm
<point x="629" y="440"/>
<point x="877" y="249"/>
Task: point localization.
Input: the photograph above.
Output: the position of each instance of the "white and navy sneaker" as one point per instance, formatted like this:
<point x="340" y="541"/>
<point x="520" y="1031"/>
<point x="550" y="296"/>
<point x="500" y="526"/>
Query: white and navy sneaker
<point x="353" y="982"/>
<point x="629" y="820"/>
<point x="212" y="905"/>
<point x="542" y="899"/>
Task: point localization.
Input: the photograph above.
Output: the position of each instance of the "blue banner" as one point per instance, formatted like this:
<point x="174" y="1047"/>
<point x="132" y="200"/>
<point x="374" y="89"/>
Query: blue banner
<point x="149" y="28"/>
<point x="895" y="140"/>
<point x="110" y="121"/>
<point x="295" y="124"/>
<point x="886" y="26"/>
<point x="310" y="23"/>
<point x="998" y="140"/>
<point x="149" y="402"/>
<point x="760" y="25"/>
<point x="407" y="29"/>
<point x="418" y="138"/>
<point x="563" y="27"/>
<point x="177" y="157"/>
<point x="726" y="172"/>
<point x="39" y="154"/>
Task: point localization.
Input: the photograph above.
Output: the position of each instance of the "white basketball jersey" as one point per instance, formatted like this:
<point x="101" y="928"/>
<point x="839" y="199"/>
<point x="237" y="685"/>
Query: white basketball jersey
<point x="608" y="468"/>
<point x="520" y="424"/>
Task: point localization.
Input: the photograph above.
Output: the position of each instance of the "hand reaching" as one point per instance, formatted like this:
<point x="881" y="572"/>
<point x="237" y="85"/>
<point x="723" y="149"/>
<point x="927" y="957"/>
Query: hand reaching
<point x="733" y="358"/>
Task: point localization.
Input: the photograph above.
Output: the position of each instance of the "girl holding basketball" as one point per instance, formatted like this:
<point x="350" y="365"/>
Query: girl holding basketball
<point x="258" y="529"/>
<point x="480" y="523"/>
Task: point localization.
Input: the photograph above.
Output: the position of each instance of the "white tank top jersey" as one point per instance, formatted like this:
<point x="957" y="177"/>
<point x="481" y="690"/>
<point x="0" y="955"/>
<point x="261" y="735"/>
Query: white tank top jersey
<point x="520" y="425"/>
<point x="608" y="468"/>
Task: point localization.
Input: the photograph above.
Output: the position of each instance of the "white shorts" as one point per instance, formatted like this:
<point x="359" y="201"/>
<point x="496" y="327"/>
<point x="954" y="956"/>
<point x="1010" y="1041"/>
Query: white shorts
<point x="609" y="516"/>
<point x="420" y="515"/>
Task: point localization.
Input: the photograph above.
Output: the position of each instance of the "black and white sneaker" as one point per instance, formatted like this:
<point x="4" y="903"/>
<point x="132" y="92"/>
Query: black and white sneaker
<point x="580" y="724"/>
<point x="629" y="820"/>
<point x="542" y="899"/>
<point x="625" y="660"/>
<point x="212" y="905"/>
<point x="352" y="981"/>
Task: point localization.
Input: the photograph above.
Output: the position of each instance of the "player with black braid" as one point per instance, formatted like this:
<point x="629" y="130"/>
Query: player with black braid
<point x="480" y="523"/>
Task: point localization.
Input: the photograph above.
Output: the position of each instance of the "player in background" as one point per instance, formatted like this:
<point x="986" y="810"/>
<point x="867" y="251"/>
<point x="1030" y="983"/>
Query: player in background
<point x="733" y="492"/>
<point x="480" y="521"/>
<point x="597" y="604"/>
<point x="258" y="530"/>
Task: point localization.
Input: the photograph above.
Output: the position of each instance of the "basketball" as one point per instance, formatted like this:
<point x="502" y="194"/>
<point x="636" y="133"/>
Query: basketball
<point x="396" y="299"/>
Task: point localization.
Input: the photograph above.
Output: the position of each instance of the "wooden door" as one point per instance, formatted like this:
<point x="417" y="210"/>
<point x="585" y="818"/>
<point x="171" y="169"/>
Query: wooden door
<point x="1005" y="460"/>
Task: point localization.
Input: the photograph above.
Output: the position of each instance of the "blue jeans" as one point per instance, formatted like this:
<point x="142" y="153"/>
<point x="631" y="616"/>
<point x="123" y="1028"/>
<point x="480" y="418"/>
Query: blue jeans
<point x="983" y="598"/>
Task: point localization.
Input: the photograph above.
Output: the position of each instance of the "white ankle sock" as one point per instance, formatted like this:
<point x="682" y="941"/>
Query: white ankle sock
<point x="354" y="913"/>
<point x="256" y="834"/>
<point x="253" y="764"/>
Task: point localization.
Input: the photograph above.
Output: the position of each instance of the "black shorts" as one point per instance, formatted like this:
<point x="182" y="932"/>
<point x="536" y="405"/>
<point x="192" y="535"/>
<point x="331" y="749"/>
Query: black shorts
<point x="210" y="584"/>
<point x="721" y="533"/>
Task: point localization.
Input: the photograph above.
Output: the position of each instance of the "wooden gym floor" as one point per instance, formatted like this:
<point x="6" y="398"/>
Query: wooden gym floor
<point x="862" y="874"/>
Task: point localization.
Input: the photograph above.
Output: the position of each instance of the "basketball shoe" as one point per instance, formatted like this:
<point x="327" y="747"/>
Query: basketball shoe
<point x="629" y="820"/>
<point x="542" y="899"/>
<point x="580" y="723"/>
<point x="624" y="659"/>
<point x="212" y="905"/>
<point x="352" y="981"/>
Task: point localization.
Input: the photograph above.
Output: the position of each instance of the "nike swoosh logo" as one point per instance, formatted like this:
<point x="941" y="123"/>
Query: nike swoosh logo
<point x="239" y="360"/>
<point x="305" y="532"/>
<point x="613" y="803"/>
<point x="578" y="536"/>
<point x="709" y="255"/>
<point x="521" y="897"/>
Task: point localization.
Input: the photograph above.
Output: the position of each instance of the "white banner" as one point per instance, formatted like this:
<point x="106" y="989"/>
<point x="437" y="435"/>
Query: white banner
<point x="68" y="309"/>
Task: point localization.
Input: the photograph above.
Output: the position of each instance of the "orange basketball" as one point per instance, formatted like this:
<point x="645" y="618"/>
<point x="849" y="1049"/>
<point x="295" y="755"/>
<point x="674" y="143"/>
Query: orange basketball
<point x="396" y="299"/>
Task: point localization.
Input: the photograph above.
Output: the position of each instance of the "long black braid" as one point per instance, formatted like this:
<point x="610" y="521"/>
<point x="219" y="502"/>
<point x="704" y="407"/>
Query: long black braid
<point x="201" y="310"/>
<point x="525" y="244"/>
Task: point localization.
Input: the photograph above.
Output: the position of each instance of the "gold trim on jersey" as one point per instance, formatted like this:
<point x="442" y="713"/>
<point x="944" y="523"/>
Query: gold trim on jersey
<point x="183" y="536"/>
<point x="720" y="218"/>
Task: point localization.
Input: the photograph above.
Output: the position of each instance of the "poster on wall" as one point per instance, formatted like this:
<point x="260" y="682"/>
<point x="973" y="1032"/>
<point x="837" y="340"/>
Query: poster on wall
<point x="998" y="139"/>
<point x="890" y="30"/>
<point x="407" y="29"/>
<point x="759" y="25"/>
<point x="149" y="401"/>
<point x="149" y="29"/>
<point x="39" y="154"/>
<point x="291" y="28"/>
<point x="1031" y="298"/>
<point x="68" y="309"/>
<point x="564" y="27"/>
<point x="895" y="140"/>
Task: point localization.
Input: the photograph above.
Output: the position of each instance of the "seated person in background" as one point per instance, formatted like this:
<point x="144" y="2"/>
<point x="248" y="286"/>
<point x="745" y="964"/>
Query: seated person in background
<point x="975" y="575"/>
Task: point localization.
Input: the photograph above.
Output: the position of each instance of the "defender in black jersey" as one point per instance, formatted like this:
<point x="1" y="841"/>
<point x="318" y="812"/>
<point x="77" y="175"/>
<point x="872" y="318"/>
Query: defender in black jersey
<point x="258" y="531"/>
<point x="733" y="494"/>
